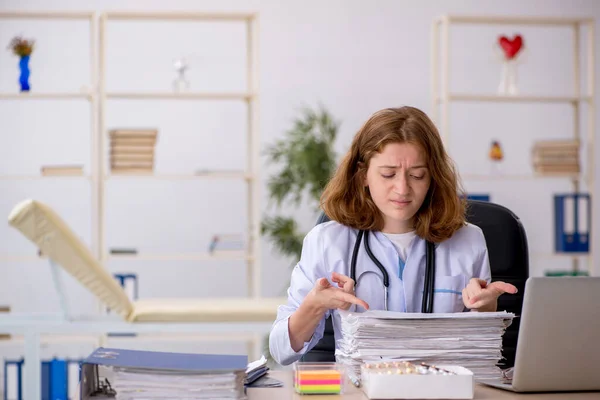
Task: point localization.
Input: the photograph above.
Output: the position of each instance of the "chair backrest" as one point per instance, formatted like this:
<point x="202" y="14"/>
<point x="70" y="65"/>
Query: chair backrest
<point x="509" y="262"/>
<point x="42" y="226"/>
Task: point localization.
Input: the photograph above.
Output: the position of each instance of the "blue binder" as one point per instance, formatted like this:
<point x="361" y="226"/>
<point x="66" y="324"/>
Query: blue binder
<point x="572" y="221"/>
<point x="92" y="382"/>
<point x="166" y="360"/>
<point x="480" y="197"/>
<point x="54" y="380"/>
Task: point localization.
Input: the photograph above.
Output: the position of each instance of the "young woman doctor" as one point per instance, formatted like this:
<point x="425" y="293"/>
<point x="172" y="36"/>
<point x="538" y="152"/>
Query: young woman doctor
<point x="398" y="185"/>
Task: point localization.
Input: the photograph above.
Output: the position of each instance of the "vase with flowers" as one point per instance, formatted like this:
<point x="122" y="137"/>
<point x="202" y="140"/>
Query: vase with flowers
<point x="23" y="48"/>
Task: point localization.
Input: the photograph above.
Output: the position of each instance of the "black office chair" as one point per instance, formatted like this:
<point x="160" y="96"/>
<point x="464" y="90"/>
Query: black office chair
<point x="509" y="262"/>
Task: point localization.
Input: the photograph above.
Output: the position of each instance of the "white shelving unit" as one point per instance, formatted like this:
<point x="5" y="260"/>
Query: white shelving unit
<point x="88" y="95"/>
<point x="249" y="176"/>
<point x="442" y="96"/>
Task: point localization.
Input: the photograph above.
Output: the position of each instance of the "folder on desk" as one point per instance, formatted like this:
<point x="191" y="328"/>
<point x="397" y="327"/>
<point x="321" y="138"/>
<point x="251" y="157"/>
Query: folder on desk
<point x="135" y="374"/>
<point x="572" y="222"/>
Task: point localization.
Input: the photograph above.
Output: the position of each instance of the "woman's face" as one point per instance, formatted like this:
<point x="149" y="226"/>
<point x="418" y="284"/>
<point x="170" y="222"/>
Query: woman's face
<point x="398" y="179"/>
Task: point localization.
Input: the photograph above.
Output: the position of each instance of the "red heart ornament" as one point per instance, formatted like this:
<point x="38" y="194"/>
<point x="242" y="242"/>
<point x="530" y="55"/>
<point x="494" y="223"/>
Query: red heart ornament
<point x="511" y="47"/>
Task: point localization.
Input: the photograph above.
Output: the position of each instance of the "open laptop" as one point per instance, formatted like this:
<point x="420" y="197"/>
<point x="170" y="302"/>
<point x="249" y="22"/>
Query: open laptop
<point x="559" y="338"/>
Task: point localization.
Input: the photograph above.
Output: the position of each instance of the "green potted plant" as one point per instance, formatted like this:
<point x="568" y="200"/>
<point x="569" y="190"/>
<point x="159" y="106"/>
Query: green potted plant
<point x="307" y="160"/>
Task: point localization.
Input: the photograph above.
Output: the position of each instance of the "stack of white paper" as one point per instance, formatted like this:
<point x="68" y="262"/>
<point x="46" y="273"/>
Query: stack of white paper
<point x="134" y="383"/>
<point x="469" y="339"/>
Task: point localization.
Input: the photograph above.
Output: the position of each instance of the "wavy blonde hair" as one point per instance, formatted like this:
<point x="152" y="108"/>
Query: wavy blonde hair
<point x="347" y="200"/>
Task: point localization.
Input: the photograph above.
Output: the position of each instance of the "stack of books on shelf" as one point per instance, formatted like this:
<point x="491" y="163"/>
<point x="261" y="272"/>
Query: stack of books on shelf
<point x="61" y="170"/>
<point x="556" y="157"/>
<point x="132" y="151"/>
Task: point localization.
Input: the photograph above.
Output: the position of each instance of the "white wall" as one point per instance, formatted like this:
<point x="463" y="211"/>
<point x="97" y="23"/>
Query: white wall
<point x="355" y="57"/>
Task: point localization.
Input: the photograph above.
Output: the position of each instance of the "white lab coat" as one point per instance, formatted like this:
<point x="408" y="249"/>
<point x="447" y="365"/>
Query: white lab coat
<point x="328" y="247"/>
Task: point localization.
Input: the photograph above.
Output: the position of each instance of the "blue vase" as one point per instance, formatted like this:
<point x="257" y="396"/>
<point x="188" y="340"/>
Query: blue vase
<point x="24" y="78"/>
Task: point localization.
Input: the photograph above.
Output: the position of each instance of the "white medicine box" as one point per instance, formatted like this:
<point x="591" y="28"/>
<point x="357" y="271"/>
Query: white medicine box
<point x="390" y="382"/>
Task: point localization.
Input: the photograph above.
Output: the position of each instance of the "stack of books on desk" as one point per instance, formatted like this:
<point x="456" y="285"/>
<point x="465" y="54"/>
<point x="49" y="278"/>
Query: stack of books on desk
<point x="472" y="340"/>
<point x="132" y="150"/>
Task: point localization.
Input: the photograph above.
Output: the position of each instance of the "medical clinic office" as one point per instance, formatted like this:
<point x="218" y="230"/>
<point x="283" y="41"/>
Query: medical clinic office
<point x="164" y="162"/>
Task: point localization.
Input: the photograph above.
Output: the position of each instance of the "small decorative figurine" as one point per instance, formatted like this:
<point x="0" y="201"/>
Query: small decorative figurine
<point x="496" y="156"/>
<point x="496" y="151"/>
<point x="180" y="83"/>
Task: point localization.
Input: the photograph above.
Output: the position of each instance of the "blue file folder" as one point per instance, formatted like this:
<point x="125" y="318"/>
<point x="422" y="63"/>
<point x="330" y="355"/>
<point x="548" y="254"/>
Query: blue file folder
<point x="54" y="382"/>
<point x="480" y="197"/>
<point x="572" y="220"/>
<point x="186" y="363"/>
<point x="166" y="360"/>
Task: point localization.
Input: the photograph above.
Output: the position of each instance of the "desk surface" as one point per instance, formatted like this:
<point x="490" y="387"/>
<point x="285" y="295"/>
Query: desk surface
<point x="481" y="392"/>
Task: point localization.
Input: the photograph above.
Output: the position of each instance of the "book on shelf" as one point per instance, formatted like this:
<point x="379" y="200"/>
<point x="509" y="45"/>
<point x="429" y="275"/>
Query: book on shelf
<point x="133" y="133"/>
<point x="123" y="250"/>
<point x="126" y="149"/>
<point x="131" y="171"/>
<point x="557" y="169"/>
<point x="133" y="141"/>
<point x="60" y="170"/>
<point x="558" y="159"/>
<point x="131" y="164"/>
<point x="132" y="157"/>
<point x="205" y="171"/>
<point x="555" y="152"/>
<point x="562" y="144"/>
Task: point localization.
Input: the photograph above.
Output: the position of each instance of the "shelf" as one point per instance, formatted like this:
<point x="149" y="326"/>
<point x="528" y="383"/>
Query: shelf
<point x="44" y="96"/>
<point x="21" y="258"/>
<point x="515" y="98"/>
<point x="40" y="177"/>
<point x="510" y="20"/>
<point x="175" y="177"/>
<point x="509" y="177"/>
<point x="560" y="255"/>
<point x="46" y="14"/>
<point x="179" y="16"/>
<point x="232" y="255"/>
<point x="179" y="96"/>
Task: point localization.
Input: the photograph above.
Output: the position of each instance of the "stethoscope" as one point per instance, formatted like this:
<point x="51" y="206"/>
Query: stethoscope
<point x="427" y="304"/>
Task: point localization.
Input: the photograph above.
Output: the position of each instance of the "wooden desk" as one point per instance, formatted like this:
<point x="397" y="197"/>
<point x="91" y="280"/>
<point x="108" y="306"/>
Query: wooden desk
<point x="481" y="392"/>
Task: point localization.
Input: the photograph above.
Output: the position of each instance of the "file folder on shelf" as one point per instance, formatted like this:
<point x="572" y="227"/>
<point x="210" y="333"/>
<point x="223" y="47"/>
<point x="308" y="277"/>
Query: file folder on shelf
<point x="572" y="220"/>
<point x="54" y="380"/>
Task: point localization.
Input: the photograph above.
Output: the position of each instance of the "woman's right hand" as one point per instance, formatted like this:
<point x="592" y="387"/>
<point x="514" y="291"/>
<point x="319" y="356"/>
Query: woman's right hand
<point x="324" y="296"/>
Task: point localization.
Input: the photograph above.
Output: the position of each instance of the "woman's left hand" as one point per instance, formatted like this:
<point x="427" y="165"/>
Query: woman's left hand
<point x="480" y="296"/>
